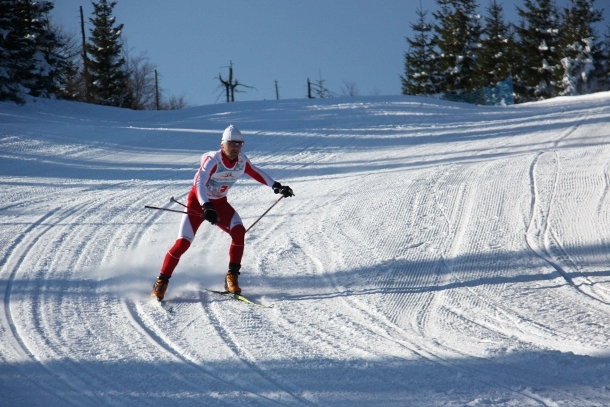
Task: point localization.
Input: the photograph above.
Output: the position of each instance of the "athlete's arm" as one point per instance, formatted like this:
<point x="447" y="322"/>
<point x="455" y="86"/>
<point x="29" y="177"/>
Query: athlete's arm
<point x="202" y="178"/>
<point x="257" y="174"/>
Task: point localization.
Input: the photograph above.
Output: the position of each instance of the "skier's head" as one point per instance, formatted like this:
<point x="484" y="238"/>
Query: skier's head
<point x="232" y="142"/>
<point x="232" y="133"/>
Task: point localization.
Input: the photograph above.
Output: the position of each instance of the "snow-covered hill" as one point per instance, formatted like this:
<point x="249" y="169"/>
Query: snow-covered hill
<point x="435" y="254"/>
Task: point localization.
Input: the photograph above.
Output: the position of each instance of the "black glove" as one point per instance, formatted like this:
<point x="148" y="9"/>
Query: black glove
<point x="209" y="213"/>
<point x="285" y="190"/>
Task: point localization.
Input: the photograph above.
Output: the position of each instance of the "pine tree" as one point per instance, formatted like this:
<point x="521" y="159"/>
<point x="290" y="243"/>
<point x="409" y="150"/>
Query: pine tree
<point x="539" y="73"/>
<point x="457" y="36"/>
<point x="582" y="51"/>
<point x="421" y="73"/>
<point x="28" y="64"/>
<point x="107" y="72"/>
<point x="13" y="47"/>
<point x="605" y="85"/>
<point x="497" y="53"/>
<point x="46" y="63"/>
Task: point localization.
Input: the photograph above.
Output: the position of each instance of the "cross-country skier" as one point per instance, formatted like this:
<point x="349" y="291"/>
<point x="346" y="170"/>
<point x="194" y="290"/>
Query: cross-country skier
<point x="207" y="200"/>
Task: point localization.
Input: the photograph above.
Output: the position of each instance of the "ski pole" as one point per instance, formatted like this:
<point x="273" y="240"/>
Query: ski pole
<point x="179" y="203"/>
<point x="172" y="210"/>
<point x="251" y="226"/>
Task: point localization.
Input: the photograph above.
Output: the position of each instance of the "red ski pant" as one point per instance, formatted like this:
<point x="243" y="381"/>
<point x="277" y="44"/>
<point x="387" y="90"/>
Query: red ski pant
<point x="229" y="222"/>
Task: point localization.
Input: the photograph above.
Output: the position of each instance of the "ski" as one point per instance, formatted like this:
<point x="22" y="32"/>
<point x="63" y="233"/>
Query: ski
<point x="166" y="307"/>
<point x="240" y="297"/>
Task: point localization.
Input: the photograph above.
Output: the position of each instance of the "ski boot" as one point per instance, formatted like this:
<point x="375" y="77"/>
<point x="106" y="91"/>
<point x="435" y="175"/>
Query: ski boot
<point x="160" y="287"/>
<point x="231" y="280"/>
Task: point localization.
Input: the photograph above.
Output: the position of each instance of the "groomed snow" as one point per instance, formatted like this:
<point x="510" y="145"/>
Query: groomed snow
<point x="435" y="254"/>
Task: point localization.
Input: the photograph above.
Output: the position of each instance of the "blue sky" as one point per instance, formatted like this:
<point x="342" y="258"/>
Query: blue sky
<point x="342" y="41"/>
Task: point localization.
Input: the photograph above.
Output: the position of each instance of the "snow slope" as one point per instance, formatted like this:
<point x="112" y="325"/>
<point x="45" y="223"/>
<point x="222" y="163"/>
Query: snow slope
<point x="435" y="254"/>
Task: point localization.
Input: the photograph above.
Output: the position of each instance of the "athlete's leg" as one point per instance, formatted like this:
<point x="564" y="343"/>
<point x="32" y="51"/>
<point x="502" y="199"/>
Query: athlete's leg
<point x="186" y="234"/>
<point x="230" y="222"/>
<point x="173" y="256"/>
<point x="238" y="234"/>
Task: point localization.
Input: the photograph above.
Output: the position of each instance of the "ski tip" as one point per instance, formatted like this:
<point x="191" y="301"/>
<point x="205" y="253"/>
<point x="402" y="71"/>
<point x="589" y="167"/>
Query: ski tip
<point x="216" y="291"/>
<point x="167" y="308"/>
<point x="163" y="305"/>
<point x="240" y="297"/>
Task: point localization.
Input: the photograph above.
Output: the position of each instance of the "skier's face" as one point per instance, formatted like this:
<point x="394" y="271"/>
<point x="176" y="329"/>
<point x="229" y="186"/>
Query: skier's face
<point x="232" y="148"/>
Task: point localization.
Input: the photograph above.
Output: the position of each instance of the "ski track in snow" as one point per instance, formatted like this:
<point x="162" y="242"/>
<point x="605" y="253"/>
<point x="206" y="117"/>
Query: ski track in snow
<point x="434" y="254"/>
<point x="434" y="351"/>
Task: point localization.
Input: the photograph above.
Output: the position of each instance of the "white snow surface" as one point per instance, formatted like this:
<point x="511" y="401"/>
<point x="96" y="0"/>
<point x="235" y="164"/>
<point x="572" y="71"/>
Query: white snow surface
<point x="435" y="254"/>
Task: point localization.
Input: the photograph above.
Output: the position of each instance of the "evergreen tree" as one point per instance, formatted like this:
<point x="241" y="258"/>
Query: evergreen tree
<point x="539" y="73"/>
<point x="497" y="53"/>
<point x="71" y="82"/>
<point x="28" y="64"/>
<point x="421" y="72"/>
<point x="605" y="85"/>
<point x="421" y="77"/>
<point x="582" y="51"/>
<point x="41" y="79"/>
<point x="107" y="71"/>
<point x="457" y="36"/>
<point x="13" y="46"/>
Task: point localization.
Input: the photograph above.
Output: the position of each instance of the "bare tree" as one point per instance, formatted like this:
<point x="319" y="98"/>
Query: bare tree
<point x="141" y="81"/>
<point x="231" y="85"/>
<point x="349" y="89"/>
<point x="174" y="103"/>
<point x="318" y="89"/>
<point x="143" y="85"/>
<point x="71" y="81"/>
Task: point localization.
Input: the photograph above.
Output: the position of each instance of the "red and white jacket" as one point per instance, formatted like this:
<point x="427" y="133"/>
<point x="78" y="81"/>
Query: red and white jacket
<point x="217" y="174"/>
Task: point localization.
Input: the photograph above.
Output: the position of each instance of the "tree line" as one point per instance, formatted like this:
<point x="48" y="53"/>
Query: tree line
<point x="550" y="52"/>
<point x="42" y="60"/>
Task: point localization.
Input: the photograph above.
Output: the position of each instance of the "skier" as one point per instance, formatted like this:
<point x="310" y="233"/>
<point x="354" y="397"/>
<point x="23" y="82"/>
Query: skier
<point x="207" y="200"/>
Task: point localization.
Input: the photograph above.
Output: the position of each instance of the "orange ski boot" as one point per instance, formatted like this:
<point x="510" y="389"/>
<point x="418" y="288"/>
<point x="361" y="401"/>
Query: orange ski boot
<point x="160" y="287"/>
<point x="231" y="280"/>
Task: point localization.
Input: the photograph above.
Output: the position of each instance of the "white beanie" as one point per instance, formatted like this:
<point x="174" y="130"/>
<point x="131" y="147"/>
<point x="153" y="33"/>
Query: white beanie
<point x="231" y="133"/>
